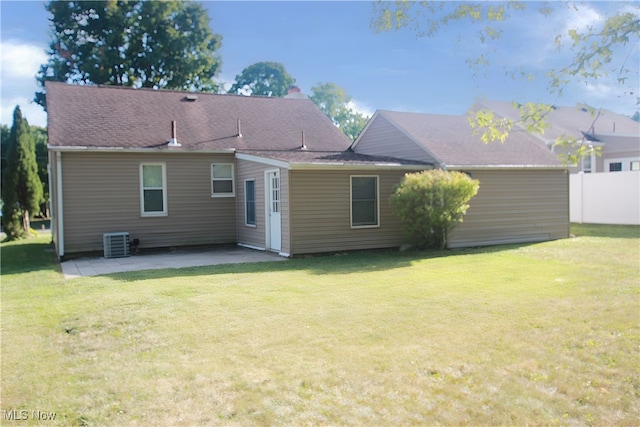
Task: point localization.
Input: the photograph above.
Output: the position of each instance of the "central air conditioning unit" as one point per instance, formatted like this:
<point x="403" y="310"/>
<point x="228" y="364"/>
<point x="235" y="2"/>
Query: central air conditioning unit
<point x="116" y="245"/>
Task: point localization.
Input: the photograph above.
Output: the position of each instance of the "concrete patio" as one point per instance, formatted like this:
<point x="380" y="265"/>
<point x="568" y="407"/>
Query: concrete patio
<point x="176" y="259"/>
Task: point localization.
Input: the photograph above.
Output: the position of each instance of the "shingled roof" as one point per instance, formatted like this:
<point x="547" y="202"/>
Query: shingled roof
<point x="573" y="122"/>
<point x="450" y="139"/>
<point x="117" y="117"/>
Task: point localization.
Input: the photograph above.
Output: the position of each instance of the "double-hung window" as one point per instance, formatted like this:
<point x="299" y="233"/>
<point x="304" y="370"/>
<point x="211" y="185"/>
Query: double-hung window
<point x="250" y="202"/>
<point x="153" y="189"/>
<point x="222" y="180"/>
<point x="365" y="207"/>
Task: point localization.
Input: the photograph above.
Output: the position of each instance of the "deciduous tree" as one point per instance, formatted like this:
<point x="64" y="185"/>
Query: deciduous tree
<point x="21" y="186"/>
<point x="263" y="78"/>
<point x="152" y="44"/>
<point x="336" y="104"/>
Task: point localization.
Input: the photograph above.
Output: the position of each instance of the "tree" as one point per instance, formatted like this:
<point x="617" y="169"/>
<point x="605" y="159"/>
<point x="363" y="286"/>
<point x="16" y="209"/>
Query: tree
<point x="163" y="44"/>
<point x="21" y="187"/>
<point x="336" y="104"/>
<point x="606" y="50"/>
<point x="636" y="116"/>
<point x="263" y="78"/>
<point x="431" y="203"/>
<point x="41" y="139"/>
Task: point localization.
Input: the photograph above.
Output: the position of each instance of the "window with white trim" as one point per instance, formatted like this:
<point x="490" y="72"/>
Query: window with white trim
<point x="250" y="203"/>
<point x="365" y="207"/>
<point x="222" y="180"/>
<point x="615" y="167"/>
<point x="153" y="189"/>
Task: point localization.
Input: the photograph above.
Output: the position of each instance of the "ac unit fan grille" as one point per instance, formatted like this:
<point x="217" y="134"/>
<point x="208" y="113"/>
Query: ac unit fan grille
<point x="116" y="245"/>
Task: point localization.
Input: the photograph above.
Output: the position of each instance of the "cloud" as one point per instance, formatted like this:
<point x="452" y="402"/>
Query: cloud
<point x="33" y="112"/>
<point x="19" y="64"/>
<point x="360" y="107"/>
<point x="20" y="60"/>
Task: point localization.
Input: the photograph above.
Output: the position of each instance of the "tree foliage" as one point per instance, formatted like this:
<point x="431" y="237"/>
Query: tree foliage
<point x="607" y="50"/>
<point x="336" y="104"/>
<point x="21" y="186"/>
<point x="263" y="78"/>
<point x="152" y="44"/>
<point x="431" y="203"/>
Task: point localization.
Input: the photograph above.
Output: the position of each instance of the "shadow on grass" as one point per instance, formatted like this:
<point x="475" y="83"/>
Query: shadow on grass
<point x="26" y="256"/>
<point x="340" y="263"/>
<point x="606" y="230"/>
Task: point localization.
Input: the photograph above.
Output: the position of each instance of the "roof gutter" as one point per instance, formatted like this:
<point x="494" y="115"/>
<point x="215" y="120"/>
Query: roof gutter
<point x="506" y="167"/>
<point x="163" y="149"/>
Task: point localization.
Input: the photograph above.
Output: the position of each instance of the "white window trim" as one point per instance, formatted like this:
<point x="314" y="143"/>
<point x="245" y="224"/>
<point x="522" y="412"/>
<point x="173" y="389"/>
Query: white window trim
<point x="233" y="180"/>
<point x="164" y="191"/>
<point x="255" y="204"/>
<point x="377" y="177"/>
<point x="626" y="163"/>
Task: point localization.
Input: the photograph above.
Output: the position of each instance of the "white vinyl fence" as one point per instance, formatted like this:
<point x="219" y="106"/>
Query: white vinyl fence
<point x="605" y="198"/>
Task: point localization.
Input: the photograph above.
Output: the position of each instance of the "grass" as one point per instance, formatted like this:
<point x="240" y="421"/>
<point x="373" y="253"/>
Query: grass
<point x="526" y="334"/>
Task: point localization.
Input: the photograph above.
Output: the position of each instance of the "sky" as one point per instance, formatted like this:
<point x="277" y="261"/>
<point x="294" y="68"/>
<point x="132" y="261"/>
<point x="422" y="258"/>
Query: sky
<point x="334" y="42"/>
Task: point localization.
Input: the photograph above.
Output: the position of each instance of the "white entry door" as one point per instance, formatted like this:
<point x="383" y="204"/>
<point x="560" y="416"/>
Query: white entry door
<point x="274" y="228"/>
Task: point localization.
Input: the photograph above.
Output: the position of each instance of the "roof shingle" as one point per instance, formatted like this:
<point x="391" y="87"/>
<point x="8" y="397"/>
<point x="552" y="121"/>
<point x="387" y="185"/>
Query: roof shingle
<point x="117" y="117"/>
<point x="452" y="141"/>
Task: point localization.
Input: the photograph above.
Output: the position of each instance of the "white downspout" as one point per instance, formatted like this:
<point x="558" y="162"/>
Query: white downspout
<point x="59" y="209"/>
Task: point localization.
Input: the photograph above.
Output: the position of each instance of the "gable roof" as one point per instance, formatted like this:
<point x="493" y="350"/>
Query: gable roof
<point x="573" y="122"/>
<point x="116" y="117"/>
<point x="451" y="141"/>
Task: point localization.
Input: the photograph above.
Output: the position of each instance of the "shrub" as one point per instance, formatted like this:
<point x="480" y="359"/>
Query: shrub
<point x="431" y="203"/>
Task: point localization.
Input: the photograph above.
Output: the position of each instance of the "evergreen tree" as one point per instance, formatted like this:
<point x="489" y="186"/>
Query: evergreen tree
<point x="21" y="187"/>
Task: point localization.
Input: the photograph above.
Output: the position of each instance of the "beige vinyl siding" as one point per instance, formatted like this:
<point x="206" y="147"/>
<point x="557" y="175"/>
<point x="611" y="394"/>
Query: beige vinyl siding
<point x="102" y="195"/>
<point x="382" y="138"/>
<point x="321" y="213"/>
<point x="247" y="235"/>
<point x="285" y="211"/>
<point x="515" y="206"/>
<point x="256" y="236"/>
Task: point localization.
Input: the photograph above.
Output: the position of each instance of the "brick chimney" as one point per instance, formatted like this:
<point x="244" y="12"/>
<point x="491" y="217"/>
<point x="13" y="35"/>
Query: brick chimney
<point x="295" y="93"/>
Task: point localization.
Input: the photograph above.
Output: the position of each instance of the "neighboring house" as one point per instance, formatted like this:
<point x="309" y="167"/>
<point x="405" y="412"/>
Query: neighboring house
<point x="523" y="193"/>
<point x="617" y="136"/>
<point x="178" y="169"/>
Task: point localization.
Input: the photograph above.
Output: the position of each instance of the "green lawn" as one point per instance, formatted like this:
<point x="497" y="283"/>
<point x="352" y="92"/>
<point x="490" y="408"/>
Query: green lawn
<point x="538" y="334"/>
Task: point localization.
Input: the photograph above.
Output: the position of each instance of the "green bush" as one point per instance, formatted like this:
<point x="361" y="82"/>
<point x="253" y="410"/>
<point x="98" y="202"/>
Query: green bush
<point x="431" y="203"/>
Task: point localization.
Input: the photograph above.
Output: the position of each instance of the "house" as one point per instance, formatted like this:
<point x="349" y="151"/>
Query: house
<point x="179" y="169"/>
<point x="617" y="136"/>
<point x="523" y="194"/>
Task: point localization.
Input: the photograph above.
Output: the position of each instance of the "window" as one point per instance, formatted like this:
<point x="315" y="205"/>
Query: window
<point x="364" y="201"/>
<point x="222" y="180"/>
<point x="153" y="189"/>
<point x="615" y="167"/>
<point x="586" y="164"/>
<point x="635" y="165"/>
<point x="250" y="203"/>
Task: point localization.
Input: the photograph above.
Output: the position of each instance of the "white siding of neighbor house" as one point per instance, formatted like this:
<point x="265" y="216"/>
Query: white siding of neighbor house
<point x="321" y="212"/>
<point x="102" y="195"/>
<point x="382" y="138"/>
<point x="515" y="206"/>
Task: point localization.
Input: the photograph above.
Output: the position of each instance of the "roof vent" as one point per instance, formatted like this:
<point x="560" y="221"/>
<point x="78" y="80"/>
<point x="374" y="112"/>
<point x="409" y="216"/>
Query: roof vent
<point x="304" y="145"/>
<point x="173" y="142"/>
<point x="192" y="98"/>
